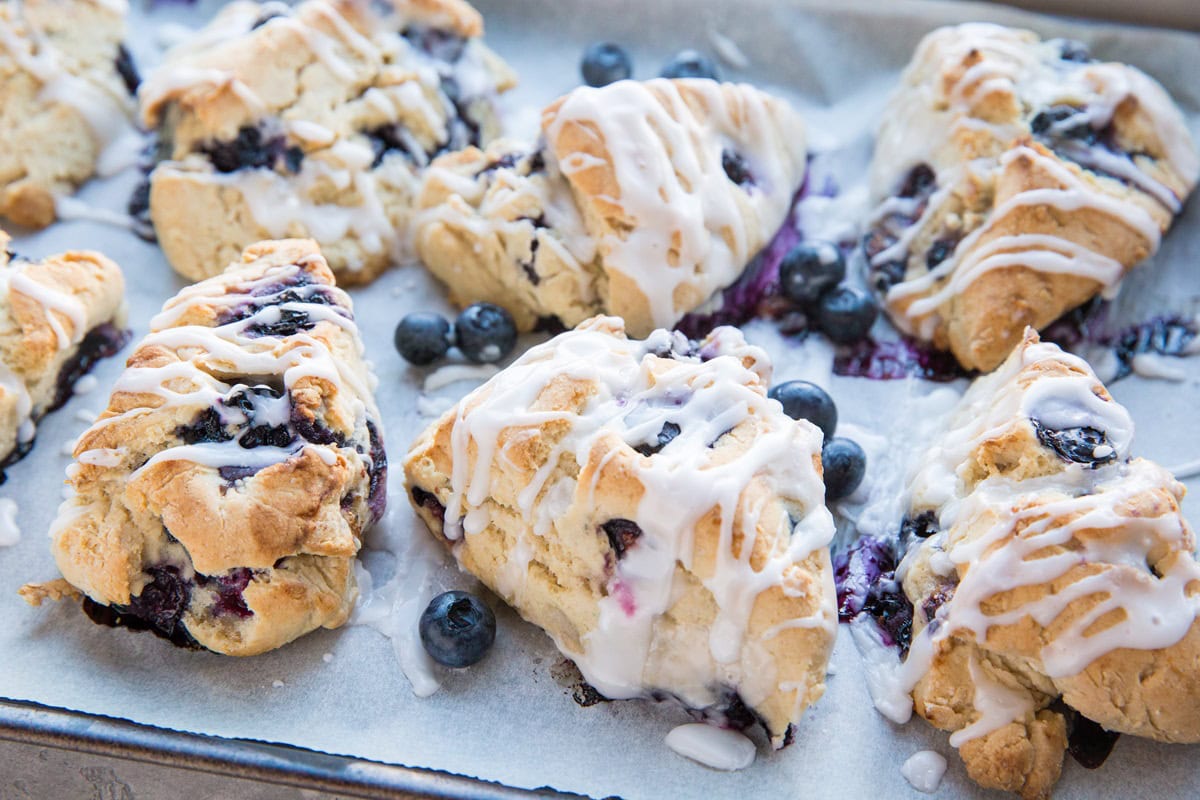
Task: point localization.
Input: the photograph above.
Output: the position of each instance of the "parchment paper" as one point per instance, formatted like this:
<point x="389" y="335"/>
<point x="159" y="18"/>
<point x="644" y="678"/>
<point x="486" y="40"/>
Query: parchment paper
<point x="508" y="719"/>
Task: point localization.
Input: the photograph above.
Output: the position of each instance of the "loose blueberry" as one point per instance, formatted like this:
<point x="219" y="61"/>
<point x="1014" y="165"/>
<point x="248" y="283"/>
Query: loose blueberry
<point x="457" y="629"/>
<point x="846" y="314"/>
<point x="485" y="333"/>
<point x="804" y="400"/>
<point x="604" y="63"/>
<point x="691" y="64"/>
<point x="422" y="337"/>
<point x="845" y="464"/>
<point x="809" y="270"/>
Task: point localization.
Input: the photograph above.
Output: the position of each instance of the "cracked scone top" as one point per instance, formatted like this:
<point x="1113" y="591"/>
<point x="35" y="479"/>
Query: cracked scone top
<point x="1056" y="568"/>
<point x="221" y="497"/>
<point x="66" y="104"/>
<point x="650" y="508"/>
<point x="58" y="316"/>
<point x="313" y="121"/>
<point x="641" y="200"/>
<point x="1016" y="179"/>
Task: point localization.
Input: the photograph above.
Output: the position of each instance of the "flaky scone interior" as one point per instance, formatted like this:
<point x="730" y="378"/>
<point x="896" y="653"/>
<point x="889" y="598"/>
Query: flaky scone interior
<point x="221" y="497"/>
<point x="653" y="511"/>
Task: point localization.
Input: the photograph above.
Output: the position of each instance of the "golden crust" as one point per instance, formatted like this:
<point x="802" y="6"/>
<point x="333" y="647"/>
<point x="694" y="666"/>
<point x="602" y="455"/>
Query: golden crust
<point x="291" y="527"/>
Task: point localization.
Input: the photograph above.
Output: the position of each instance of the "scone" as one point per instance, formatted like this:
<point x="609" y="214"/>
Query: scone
<point x="1050" y="579"/>
<point x="641" y="200"/>
<point x="313" y="121"/>
<point x="66" y="101"/>
<point x="1016" y="179"/>
<point x="58" y="317"/>
<point x="646" y="505"/>
<point x="221" y="497"/>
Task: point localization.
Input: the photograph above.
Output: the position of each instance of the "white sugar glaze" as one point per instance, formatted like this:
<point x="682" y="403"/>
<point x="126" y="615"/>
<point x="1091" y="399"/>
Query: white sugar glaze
<point x="705" y="399"/>
<point x="712" y="746"/>
<point x="10" y="533"/>
<point x="927" y="114"/>
<point x="924" y="770"/>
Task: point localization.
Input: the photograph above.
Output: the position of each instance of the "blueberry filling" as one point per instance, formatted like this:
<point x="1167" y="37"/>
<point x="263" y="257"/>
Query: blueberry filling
<point x="1073" y="50"/>
<point x="138" y="209"/>
<point x="290" y="321"/>
<point x="267" y="436"/>
<point x="736" y="168"/>
<point x="1168" y="336"/>
<point x="1078" y="445"/>
<point x="264" y="18"/>
<point x="918" y="185"/>
<point x="665" y="436"/>
<point x="392" y="138"/>
<point x="249" y="150"/>
<point x="1088" y="742"/>
<point x="1056" y="125"/>
<point x="922" y="526"/>
<point x="939" y="251"/>
<point x="936" y="599"/>
<point x="377" y="474"/>
<point x="429" y="502"/>
<point x="162" y="602"/>
<point x="866" y="583"/>
<point x="622" y="534"/>
<point x="236" y="473"/>
<point x="127" y="70"/>
<point x="229" y="589"/>
<point x="102" y="341"/>
<point x="206" y="427"/>
<point x="920" y="182"/>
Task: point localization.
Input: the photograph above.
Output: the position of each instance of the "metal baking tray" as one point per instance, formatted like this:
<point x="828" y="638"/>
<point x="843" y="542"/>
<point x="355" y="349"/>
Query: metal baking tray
<point x="48" y="753"/>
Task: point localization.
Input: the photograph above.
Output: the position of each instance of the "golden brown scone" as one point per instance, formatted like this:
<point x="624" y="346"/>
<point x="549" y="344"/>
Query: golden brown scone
<point x="1016" y="179"/>
<point x="313" y="120"/>
<point x="647" y="506"/>
<point x="66" y="105"/>
<point x="1051" y="580"/>
<point x="221" y="497"/>
<point x="58" y="316"/>
<point x="641" y="200"/>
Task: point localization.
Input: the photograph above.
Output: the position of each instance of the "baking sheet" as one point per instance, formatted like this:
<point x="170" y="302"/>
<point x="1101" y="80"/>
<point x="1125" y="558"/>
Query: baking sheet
<point x="510" y="719"/>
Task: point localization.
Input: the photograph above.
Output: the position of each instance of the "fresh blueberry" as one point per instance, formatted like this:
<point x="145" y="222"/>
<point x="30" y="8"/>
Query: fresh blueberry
<point x="845" y="464"/>
<point x="422" y="337"/>
<point x="804" y="400"/>
<point x="457" y="629"/>
<point x="605" y="63"/>
<point x="691" y="64"/>
<point x="809" y="270"/>
<point x="846" y="314"/>
<point x="485" y="333"/>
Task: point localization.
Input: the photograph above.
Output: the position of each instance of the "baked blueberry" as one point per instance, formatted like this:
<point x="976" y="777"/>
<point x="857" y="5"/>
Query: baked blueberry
<point x="691" y="64"/>
<point x="127" y="70"/>
<point x="604" y="63"/>
<point x="809" y="270"/>
<point x="736" y="168"/>
<point x="622" y="534"/>
<point x="804" y="400"/>
<point x="1084" y="445"/>
<point x="423" y="337"/>
<point x="485" y="333"/>
<point x="457" y="629"/>
<point x="846" y="314"/>
<point x="845" y="465"/>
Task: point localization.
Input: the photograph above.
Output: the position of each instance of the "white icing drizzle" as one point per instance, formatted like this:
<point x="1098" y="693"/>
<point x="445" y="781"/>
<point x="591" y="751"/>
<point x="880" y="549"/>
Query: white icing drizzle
<point x="928" y="113"/>
<point x="705" y="399"/>
<point x="10" y="534"/>
<point x="690" y="224"/>
<point x="924" y="770"/>
<point x="713" y="747"/>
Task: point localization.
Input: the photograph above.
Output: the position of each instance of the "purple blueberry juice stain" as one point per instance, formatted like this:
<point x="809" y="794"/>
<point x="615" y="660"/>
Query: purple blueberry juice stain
<point x="229" y="588"/>
<point x="1087" y="742"/>
<point x="1089" y="326"/>
<point x="896" y="359"/>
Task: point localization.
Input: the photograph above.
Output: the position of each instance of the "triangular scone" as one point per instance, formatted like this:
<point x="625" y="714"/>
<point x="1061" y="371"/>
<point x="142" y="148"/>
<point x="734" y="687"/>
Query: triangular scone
<point x="1056" y="579"/>
<point x="642" y="200"/>
<point x="221" y="497"/>
<point x="58" y="316"/>
<point x="66" y="101"/>
<point x="313" y="120"/>
<point x="650" y="508"/>
<point x="1016" y="179"/>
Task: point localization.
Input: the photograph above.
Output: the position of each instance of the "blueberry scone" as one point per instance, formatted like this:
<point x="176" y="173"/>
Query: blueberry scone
<point x="58" y="317"/>
<point x="1049" y="591"/>
<point x="221" y="497"/>
<point x="641" y="200"/>
<point x="1016" y="179"/>
<point x="647" y="506"/>
<point x="314" y="121"/>
<point x="66" y="101"/>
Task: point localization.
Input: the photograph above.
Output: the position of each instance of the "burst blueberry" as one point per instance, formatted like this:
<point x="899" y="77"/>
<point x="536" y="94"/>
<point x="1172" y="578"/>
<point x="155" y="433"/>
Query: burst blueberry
<point x="845" y="465"/>
<point x="423" y="337"/>
<point x="485" y="333"/>
<point x="604" y="63"/>
<point x="804" y="400"/>
<point x="809" y="270"/>
<point x="691" y="64"/>
<point x="457" y="629"/>
<point x="846" y="314"/>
